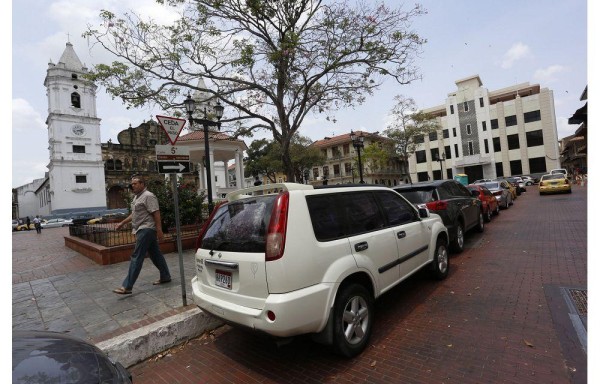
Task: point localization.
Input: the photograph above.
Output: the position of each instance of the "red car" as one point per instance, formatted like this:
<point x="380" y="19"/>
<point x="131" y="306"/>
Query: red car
<point x="489" y="204"/>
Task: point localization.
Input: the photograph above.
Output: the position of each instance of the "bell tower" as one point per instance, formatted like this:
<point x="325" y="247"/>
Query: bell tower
<point x="76" y="170"/>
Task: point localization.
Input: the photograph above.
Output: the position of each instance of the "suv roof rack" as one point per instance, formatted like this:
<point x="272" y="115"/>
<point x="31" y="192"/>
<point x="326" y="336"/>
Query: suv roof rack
<point x="266" y="189"/>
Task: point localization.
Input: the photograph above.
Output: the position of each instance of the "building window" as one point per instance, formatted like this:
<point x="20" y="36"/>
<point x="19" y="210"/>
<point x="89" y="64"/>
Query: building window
<point x="110" y="164"/>
<point x="448" y="152"/>
<point x="513" y="141"/>
<point x="326" y="171"/>
<point x="496" y="143"/>
<point x="510" y="120"/>
<point x="469" y="129"/>
<point x="499" y="170"/>
<point x="75" y="100"/>
<point x="481" y="102"/>
<point x="324" y="153"/>
<point x="454" y="132"/>
<point x="118" y="165"/>
<point x="336" y="170"/>
<point x="494" y="123"/>
<point x="466" y="106"/>
<point x="537" y="165"/>
<point x="315" y="173"/>
<point x="421" y="156"/>
<point x="435" y="154"/>
<point x="422" y="176"/>
<point x="437" y="175"/>
<point x="449" y="173"/>
<point x="484" y="126"/>
<point x="455" y="150"/>
<point x="485" y="146"/>
<point x="346" y="149"/>
<point x="80" y="179"/>
<point x="420" y="139"/>
<point x="452" y="109"/>
<point x="78" y="148"/>
<point x="516" y="167"/>
<point x="347" y="168"/>
<point x="532" y="116"/>
<point x="534" y="138"/>
<point x="432" y="136"/>
<point x="74" y="76"/>
<point x="470" y="147"/>
<point x="446" y="134"/>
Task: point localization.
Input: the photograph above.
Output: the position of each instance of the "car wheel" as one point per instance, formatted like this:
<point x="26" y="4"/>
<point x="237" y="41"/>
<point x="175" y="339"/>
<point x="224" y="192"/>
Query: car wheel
<point x="488" y="215"/>
<point x="458" y="243"/>
<point x="353" y="320"/>
<point x="497" y="209"/>
<point x="510" y="201"/>
<point x="440" y="264"/>
<point x="480" y="226"/>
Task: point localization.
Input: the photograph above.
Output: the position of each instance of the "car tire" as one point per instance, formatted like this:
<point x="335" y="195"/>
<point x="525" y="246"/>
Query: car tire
<point x="440" y="264"/>
<point x="497" y="209"/>
<point x="488" y="215"/>
<point x="458" y="244"/>
<point x="352" y="320"/>
<point x="510" y="201"/>
<point x="480" y="225"/>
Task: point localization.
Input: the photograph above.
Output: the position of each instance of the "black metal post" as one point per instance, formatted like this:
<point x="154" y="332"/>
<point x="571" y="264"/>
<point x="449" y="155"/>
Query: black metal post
<point x="208" y="174"/>
<point x="360" y="169"/>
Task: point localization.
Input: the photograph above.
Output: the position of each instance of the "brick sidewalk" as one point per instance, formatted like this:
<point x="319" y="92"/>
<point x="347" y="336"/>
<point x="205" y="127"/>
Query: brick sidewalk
<point x="498" y="318"/>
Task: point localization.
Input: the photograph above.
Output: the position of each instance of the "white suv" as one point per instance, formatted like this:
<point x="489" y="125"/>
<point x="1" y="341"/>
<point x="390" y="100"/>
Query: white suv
<point x="289" y="259"/>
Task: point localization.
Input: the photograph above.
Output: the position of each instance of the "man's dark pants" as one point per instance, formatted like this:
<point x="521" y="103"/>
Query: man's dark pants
<point x="146" y="242"/>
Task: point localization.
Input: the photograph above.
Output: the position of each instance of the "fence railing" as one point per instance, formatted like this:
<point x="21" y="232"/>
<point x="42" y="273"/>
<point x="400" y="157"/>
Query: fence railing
<point x="107" y="236"/>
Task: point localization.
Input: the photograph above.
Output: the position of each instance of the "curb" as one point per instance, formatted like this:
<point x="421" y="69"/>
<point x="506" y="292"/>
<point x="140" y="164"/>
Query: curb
<point x="138" y="345"/>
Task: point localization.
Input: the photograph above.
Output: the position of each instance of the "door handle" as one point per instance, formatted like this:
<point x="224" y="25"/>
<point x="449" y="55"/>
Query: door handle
<point x="361" y="246"/>
<point x="401" y="234"/>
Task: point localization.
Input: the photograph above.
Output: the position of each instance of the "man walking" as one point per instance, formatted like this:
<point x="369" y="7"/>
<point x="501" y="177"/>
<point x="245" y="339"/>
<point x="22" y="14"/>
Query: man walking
<point x="37" y="223"/>
<point x="145" y="221"/>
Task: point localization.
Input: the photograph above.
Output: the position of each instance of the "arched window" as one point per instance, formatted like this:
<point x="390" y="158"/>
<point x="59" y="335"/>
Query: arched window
<point x="110" y="164"/>
<point x="75" y="100"/>
<point x="118" y="165"/>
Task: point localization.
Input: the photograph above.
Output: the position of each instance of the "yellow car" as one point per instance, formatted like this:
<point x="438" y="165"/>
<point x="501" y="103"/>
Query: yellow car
<point x="513" y="191"/>
<point x="555" y="183"/>
<point x="23" y="227"/>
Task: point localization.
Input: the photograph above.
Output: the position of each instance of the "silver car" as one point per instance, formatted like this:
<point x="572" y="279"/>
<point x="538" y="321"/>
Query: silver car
<point x="54" y="223"/>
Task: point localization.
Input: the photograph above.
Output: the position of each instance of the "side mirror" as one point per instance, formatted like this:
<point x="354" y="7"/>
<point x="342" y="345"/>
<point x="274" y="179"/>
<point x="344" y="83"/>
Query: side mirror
<point x="423" y="211"/>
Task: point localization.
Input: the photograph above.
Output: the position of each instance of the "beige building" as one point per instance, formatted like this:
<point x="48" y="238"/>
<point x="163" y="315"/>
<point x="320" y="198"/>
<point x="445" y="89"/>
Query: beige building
<point x="488" y="134"/>
<point x="341" y="165"/>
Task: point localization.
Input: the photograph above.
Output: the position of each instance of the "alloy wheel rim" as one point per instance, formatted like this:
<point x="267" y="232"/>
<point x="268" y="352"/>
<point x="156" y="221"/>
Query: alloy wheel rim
<point x="355" y="320"/>
<point x="442" y="259"/>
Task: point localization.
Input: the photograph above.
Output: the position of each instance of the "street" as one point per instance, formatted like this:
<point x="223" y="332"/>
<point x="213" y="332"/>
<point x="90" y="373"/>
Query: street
<point x="512" y="310"/>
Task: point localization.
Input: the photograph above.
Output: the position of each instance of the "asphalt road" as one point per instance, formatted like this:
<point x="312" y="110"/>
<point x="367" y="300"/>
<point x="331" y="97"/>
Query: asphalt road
<point x="513" y="310"/>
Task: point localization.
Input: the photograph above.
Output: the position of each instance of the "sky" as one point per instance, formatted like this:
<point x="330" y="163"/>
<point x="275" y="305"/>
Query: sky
<point x="505" y="43"/>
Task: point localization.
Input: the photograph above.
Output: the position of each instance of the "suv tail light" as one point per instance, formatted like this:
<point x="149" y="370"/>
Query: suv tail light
<point x="438" y="205"/>
<point x="277" y="228"/>
<point x="205" y="225"/>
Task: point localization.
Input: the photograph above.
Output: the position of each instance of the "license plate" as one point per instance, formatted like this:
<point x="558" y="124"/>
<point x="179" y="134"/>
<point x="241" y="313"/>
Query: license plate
<point x="223" y="279"/>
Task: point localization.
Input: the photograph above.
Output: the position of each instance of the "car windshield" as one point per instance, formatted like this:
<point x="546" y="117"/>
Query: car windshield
<point x="418" y="196"/>
<point x="491" y="185"/>
<point x="240" y="226"/>
<point x="553" y="177"/>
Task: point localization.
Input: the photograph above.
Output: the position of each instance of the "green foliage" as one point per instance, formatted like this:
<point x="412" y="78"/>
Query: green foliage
<point x="190" y="204"/>
<point x="270" y="62"/>
<point x="376" y="156"/>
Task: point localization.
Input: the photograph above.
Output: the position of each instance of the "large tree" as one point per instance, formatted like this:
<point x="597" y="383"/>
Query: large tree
<point x="408" y="128"/>
<point x="271" y="62"/>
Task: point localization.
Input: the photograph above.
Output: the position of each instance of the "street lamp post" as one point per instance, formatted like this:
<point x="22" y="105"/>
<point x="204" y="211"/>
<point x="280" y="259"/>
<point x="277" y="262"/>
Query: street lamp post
<point x="358" y="143"/>
<point x="441" y="159"/>
<point x="190" y="106"/>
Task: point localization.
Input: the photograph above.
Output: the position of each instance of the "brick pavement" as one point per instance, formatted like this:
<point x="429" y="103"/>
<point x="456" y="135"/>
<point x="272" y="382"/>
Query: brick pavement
<point x="495" y="319"/>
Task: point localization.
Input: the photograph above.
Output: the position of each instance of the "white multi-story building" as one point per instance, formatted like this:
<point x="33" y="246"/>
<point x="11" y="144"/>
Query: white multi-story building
<point x="488" y="134"/>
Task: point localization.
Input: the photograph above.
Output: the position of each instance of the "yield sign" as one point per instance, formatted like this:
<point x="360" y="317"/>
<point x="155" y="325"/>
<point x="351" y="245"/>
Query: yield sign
<point x="172" y="126"/>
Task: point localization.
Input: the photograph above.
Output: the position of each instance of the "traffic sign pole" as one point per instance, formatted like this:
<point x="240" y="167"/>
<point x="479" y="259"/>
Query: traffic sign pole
<point x="178" y="230"/>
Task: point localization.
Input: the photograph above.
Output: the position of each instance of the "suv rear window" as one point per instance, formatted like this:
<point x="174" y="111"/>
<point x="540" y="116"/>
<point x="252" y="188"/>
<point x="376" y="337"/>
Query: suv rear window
<point x="240" y="226"/>
<point x="419" y="196"/>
